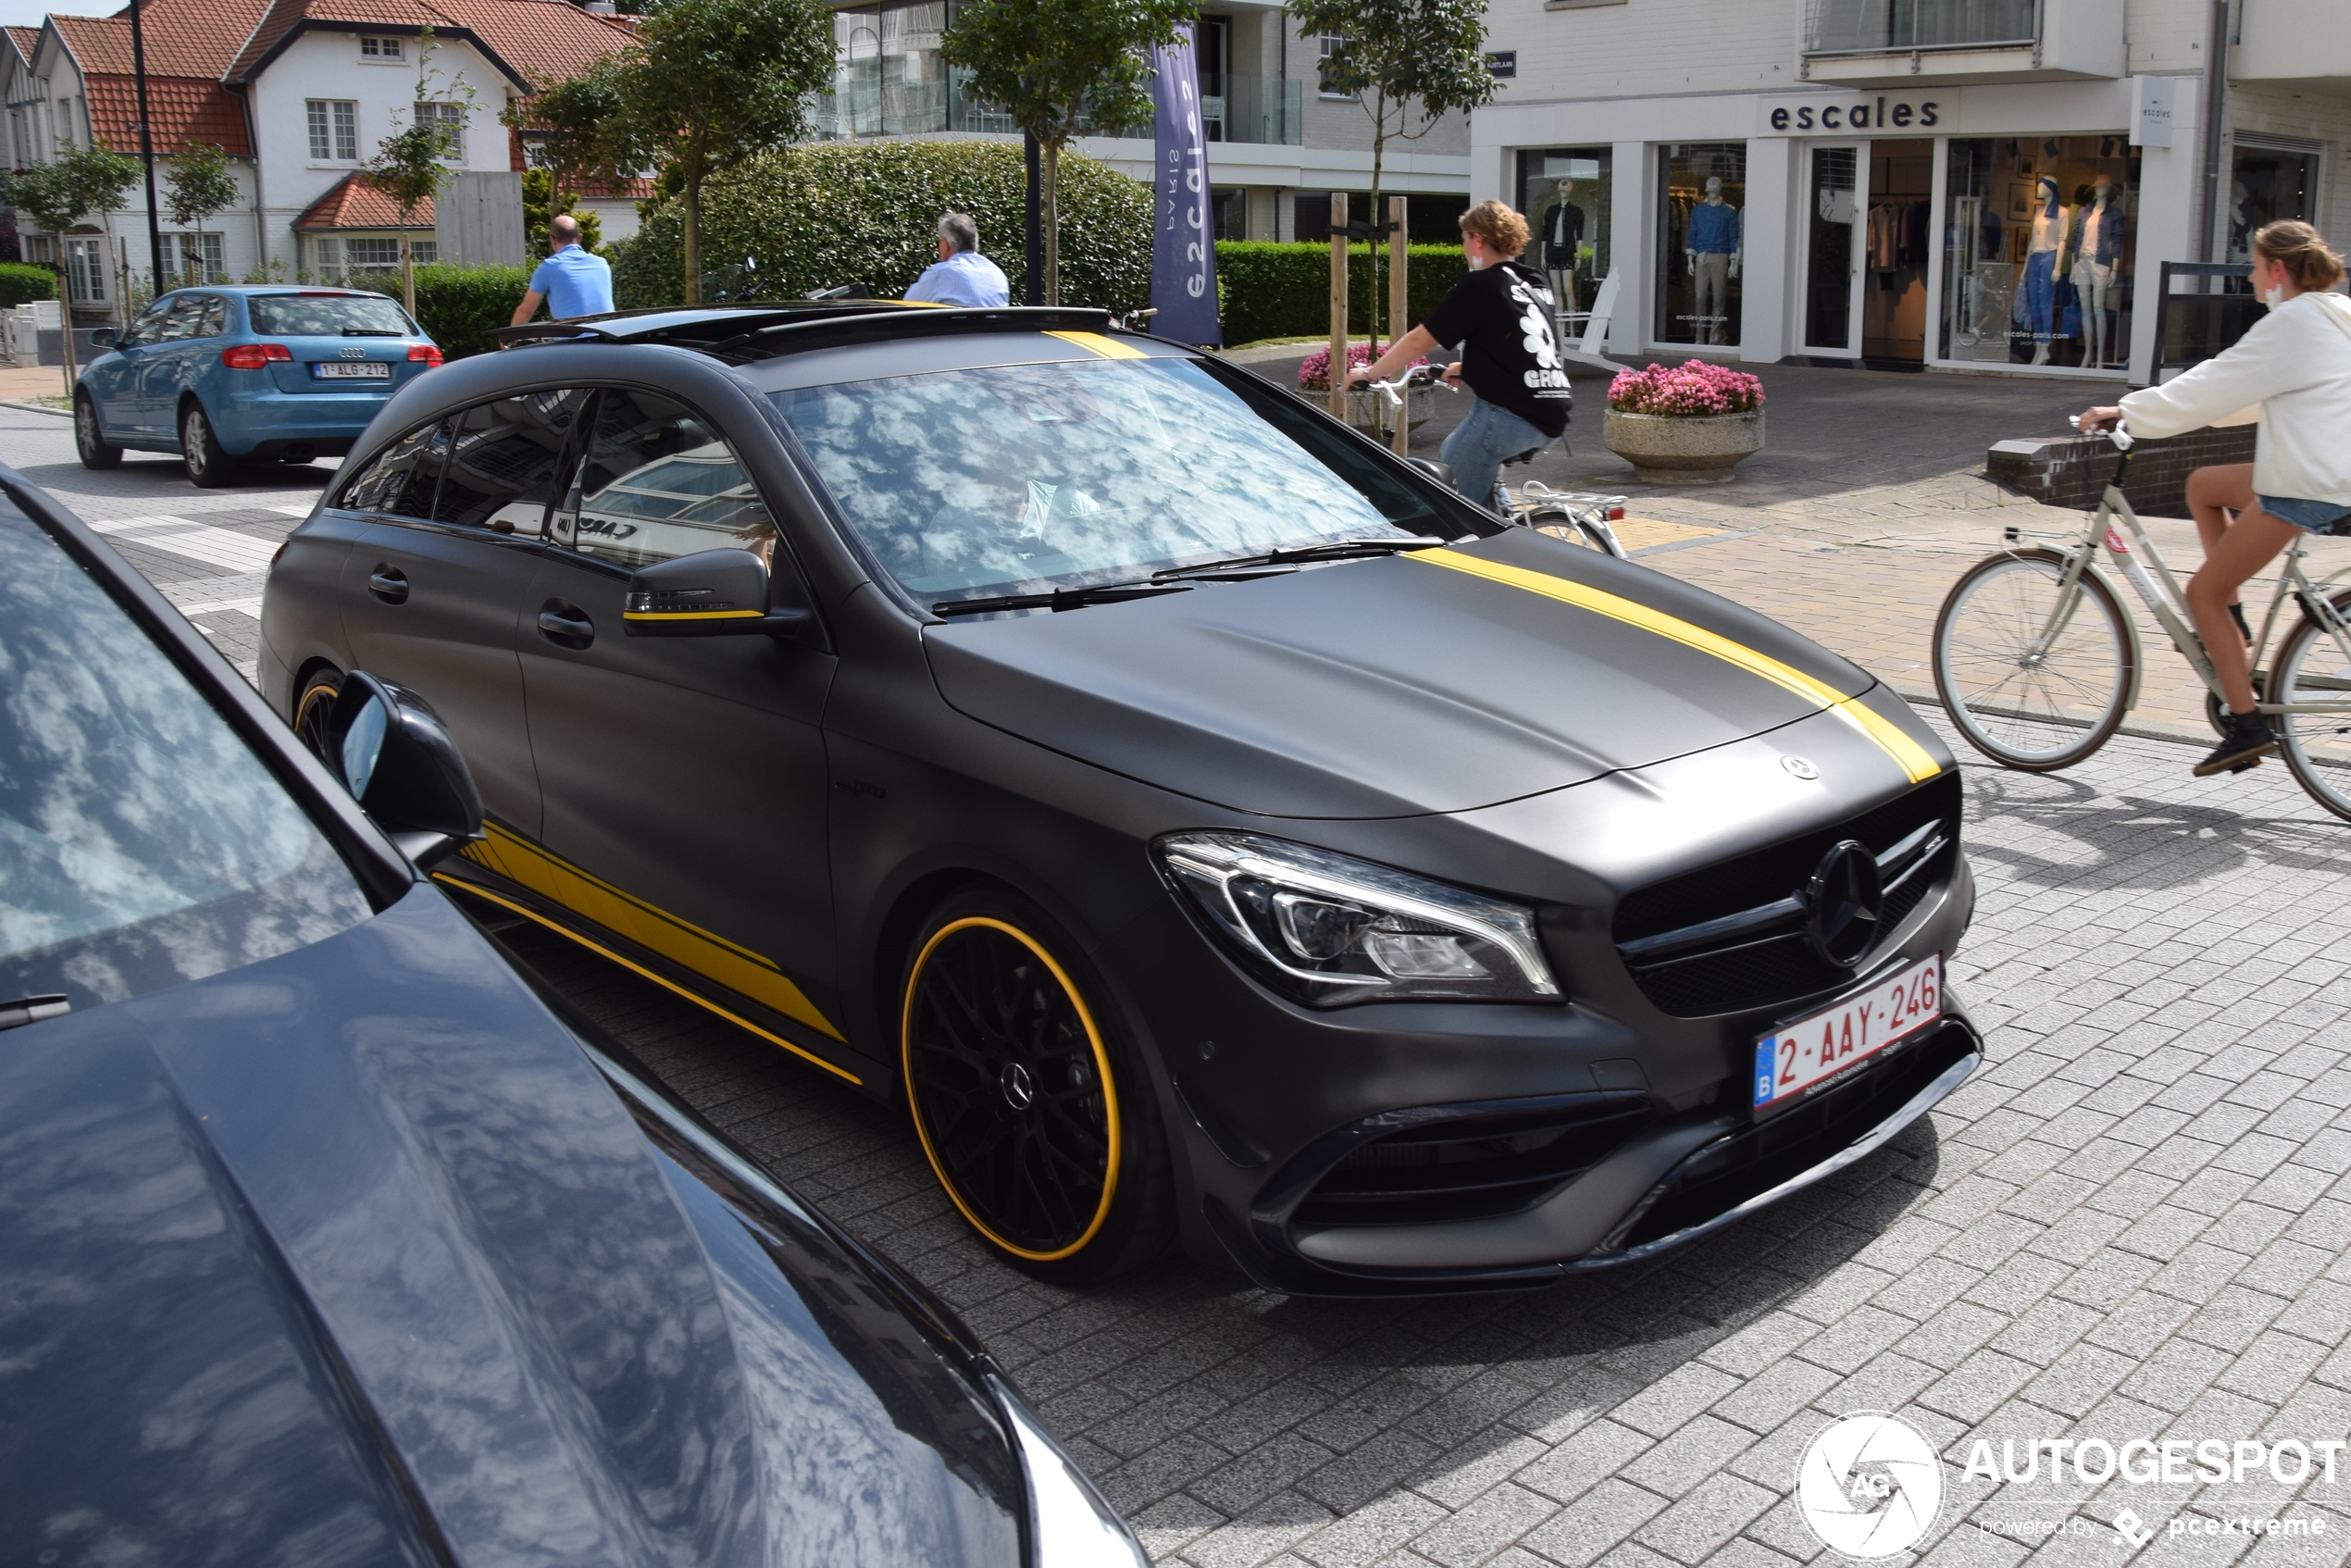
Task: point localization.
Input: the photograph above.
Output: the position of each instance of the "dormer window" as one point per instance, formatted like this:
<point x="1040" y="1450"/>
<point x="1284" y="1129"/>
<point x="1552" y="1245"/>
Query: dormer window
<point x="380" y="48"/>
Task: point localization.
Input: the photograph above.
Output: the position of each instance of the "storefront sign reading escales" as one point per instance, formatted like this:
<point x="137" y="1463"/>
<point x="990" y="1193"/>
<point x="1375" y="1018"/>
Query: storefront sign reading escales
<point x="1795" y="118"/>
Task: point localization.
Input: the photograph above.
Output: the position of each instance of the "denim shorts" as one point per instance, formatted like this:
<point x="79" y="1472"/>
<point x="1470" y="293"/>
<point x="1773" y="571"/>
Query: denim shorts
<point x="2311" y="516"/>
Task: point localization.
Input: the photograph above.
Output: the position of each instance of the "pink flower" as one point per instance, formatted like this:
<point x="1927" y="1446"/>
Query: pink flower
<point x="1315" y="374"/>
<point x="1692" y="390"/>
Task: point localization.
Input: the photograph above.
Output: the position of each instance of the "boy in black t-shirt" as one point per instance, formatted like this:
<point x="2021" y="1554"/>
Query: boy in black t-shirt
<point x="1501" y="314"/>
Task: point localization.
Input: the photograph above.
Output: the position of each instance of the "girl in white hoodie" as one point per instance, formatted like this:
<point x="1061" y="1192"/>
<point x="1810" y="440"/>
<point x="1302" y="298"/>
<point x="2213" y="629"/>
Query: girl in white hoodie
<point x="2292" y="371"/>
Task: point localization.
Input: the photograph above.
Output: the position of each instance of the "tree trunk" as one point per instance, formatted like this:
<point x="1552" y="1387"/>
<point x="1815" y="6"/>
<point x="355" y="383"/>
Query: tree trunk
<point x="693" y="242"/>
<point x="1051" y="220"/>
<point x="407" y="276"/>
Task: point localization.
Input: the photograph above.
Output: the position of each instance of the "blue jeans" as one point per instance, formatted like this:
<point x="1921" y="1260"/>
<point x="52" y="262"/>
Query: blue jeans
<point x="2311" y="516"/>
<point x="1479" y="443"/>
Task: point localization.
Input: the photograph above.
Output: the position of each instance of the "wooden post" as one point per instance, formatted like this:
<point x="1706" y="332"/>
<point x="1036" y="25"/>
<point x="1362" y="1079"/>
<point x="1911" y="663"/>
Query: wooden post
<point x="1338" y="304"/>
<point x="1396" y="297"/>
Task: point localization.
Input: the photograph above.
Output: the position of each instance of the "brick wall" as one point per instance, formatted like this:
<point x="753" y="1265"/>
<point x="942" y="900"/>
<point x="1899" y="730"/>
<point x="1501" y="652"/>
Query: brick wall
<point x="2072" y="471"/>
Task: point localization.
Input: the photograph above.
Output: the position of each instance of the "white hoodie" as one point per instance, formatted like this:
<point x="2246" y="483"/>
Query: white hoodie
<point x="2293" y="372"/>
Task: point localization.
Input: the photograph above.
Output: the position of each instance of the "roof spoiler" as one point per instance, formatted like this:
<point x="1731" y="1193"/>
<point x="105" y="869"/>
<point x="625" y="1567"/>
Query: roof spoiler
<point x="726" y="329"/>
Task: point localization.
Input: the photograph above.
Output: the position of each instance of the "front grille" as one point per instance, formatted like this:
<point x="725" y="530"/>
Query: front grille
<point x="1796" y="1140"/>
<point x="1467" y="1169"/>
<point x="1771" y="964"/>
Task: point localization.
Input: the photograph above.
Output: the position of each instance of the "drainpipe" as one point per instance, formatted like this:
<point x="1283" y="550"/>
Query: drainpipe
<point x="2216" y="87"/>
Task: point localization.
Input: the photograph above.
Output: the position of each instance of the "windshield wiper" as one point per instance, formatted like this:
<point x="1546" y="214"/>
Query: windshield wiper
<point x="1337" y="549"/>
<point x="372" y="332"/>
<point x="1060" y="598"/>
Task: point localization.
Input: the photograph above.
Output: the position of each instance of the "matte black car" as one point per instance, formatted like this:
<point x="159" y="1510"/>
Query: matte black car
<point x="1211" y="825"/>
<point x="327" y="1241"/>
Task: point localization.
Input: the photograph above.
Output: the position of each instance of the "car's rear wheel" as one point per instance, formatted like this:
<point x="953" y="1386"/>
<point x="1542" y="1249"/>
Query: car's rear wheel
<point x="209" y="466"/>
<point x="1029" y="1097"/>
<point x="89" y="436"/>
<point x="313" y="706"/>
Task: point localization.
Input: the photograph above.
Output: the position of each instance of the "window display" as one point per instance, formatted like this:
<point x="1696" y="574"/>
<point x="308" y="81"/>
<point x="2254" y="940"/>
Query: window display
<point x="2037" y="250"/>
<point x="1703" y="222"/>
<point x="1564" y="192"/>
<point x="2267" y="181"/>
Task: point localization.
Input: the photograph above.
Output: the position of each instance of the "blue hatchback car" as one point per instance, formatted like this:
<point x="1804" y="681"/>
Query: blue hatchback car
<point x="226" y="376"/>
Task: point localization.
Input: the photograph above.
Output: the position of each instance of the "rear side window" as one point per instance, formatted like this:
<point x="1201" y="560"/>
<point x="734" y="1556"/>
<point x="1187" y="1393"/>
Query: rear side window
<point x="504" y="461"/>
<point x="216" y="317"/>
<point x="185" y="319"/>
<point x="658" y="482"/>
<point x="327" y="315"/>
<point x="401" y="478"/>
<point x="142" y="843"/>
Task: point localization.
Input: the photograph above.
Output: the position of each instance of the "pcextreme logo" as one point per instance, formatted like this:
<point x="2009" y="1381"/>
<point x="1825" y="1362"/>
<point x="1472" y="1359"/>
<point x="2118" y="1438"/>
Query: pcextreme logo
<point x="1869" y="1486"/>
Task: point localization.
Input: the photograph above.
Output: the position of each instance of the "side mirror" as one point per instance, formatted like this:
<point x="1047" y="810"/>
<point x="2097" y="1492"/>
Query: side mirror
<point x="713" y="594"/>
<point x="104" y="337"/>
<point x="1441" y="472"/>
<point x="395" y="756"/>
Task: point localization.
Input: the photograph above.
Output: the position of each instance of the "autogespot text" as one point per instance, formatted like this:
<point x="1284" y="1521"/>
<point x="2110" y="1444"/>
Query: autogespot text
<point x="2147" y="1461"/>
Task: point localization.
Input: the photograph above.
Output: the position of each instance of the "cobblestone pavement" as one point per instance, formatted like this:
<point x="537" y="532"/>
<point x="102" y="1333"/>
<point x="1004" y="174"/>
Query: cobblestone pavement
<point x="2131" y="1224"/>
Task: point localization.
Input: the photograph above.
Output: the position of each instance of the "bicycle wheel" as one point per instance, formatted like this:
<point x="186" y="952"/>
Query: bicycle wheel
<point x="2034" y="712"/>
<point x="2313" y="667"/>
<point x="1563" y="524"/>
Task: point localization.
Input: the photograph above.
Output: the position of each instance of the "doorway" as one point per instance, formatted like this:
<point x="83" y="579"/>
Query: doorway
<point x="1893" y="243"/>
<point x="1833" y="249"/>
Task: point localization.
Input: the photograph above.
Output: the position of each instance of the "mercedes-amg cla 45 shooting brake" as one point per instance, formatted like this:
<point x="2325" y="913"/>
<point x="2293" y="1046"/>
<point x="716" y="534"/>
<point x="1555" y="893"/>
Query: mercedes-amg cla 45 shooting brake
<point x="1208" y="824"/>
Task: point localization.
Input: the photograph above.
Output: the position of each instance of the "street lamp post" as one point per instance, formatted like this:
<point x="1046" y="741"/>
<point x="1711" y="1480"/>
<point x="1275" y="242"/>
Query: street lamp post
<point x="146" y="143"/>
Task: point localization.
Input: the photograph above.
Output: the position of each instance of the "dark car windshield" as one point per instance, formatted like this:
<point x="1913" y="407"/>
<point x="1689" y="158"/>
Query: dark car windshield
<point x="142" y="843"/>
<point x="1038" y="476"/>
<point x="327" y="315"/>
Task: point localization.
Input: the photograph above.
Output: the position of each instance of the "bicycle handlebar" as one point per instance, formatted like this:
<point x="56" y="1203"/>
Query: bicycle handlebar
<point x="2120" y="436"/>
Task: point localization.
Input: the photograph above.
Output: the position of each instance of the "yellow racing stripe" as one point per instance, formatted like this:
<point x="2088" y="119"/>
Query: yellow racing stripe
<point x="1908" y="753"/>
<point x="1094" y="343"/>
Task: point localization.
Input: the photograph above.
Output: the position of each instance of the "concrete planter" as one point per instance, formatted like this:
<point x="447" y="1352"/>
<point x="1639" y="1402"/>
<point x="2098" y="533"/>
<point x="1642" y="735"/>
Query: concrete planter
<point x="1670" y="449"/>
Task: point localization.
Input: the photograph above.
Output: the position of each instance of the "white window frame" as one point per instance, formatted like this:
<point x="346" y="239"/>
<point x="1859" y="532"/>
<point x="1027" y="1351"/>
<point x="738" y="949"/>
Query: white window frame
<point x="351" y="263"/>
<point x="88" y="260"/>
<point x="333" y="126"/>
<point x="448" y="113"/>
<point x="1328" y="44"/>
<point x="183" y="248"/>
<point x="381" y="51"/>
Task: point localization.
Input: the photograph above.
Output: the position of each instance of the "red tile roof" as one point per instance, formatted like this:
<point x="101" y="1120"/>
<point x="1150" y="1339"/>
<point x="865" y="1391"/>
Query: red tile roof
<point x="535" y="40"/>
<point x="186" y="112"/>
<point x="356" y="203"/>
<point x="183" y="91"/>
<point x="26" y="39"/>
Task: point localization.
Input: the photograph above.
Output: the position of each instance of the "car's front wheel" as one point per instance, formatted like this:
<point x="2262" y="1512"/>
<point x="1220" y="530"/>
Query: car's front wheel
<point x="209" y="466"/>
<point x="89" y="436"/>
<point x="1028" y="1095"/>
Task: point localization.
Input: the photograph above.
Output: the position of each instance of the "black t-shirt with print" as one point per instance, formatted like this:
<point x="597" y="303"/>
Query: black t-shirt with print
<point x="1502" y="318"/>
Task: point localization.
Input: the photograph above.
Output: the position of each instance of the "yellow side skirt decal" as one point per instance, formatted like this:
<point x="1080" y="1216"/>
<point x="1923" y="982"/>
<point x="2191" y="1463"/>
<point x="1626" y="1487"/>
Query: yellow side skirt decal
<point x="1094" y="343"/>
<point x="475" y="890"/>
<point x="1908" y="753"/>
<point x="704" y="952"/>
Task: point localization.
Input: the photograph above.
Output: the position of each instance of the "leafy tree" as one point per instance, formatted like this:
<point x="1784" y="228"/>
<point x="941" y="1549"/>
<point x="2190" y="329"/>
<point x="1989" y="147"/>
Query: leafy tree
<point x="540" y="207"/>
<point x="82" y="181"/>
<point x="199" y="185"/>
<point x="570" y="127"/>
<point x="1396" y="58"/>
<point x="1060" y="66"/>
<point x="708" y="84"/>
<point x="410" y="164"/>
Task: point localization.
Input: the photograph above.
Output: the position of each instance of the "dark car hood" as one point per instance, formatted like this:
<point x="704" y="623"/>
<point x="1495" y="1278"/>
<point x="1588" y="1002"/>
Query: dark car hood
<point x="1385" y="688"/>
<point x="350" y="1256"/>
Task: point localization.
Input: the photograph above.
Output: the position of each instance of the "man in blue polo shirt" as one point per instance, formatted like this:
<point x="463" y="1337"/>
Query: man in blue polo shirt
<point x="571" y="280"/>
<point x="961" y="275"/>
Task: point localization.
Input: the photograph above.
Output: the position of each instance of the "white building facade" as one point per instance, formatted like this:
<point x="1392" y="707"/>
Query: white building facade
<point x="1906" y="184"/>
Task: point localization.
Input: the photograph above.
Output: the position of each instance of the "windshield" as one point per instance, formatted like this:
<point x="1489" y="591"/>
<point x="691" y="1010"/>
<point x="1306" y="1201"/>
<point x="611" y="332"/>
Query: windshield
<point x="327" y="315"/>
<point x="1030" y="476"/>
<point x="142" y="843"/>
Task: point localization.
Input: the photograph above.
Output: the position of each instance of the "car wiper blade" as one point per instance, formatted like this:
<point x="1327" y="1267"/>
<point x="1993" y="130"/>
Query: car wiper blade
<point x="1337" y="549"/>
<point x="1060" y="598"/>
<point x="371" y="332"/>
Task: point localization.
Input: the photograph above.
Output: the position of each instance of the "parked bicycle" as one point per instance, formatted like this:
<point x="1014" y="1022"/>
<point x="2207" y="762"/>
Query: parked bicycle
<point x="2038" y="661"/>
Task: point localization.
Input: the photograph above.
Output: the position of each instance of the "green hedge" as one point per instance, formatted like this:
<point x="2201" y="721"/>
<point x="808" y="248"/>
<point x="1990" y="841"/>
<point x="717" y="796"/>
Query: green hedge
<point x="21" y="283"/>
<point x="815" y="216"/>
<point x="1284" y="290"/>
<point x="459" y="305"/>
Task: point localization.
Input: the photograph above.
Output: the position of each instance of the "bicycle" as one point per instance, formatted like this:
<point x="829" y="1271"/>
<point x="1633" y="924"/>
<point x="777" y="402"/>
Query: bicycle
<point x="2036" y="661"/>
<point x="1579" y="517"/>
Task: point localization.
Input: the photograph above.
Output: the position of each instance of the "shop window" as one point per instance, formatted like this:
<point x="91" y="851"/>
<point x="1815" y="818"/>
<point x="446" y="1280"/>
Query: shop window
<point x="1228" y="210"/>
<point x="2038" y="236"/>
<point x="1564" y="192"/>
<point x="1702" y="236"/>
<point x="2269" y="181"/>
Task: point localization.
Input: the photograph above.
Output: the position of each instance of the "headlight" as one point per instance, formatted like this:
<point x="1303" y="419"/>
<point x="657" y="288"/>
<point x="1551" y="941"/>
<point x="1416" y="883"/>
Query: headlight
<point x="1330" y="930"/>
<point x="1069" y="1524"/>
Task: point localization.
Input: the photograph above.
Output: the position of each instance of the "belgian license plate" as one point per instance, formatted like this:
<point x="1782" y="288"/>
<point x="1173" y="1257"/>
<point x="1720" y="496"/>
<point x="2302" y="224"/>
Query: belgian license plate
<point x="1799" y="1057"/>
<point x="351" y="370"/>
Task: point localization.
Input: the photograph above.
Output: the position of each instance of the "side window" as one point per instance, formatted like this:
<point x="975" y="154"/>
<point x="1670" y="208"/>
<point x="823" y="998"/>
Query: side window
<point x="401" y="478"/>
<point x="149" y="326"/>
<point x="184" y="320"/>
<point x="506" y="461"/>
<point x="216" y="317"/>
<point x="658" y="482"/>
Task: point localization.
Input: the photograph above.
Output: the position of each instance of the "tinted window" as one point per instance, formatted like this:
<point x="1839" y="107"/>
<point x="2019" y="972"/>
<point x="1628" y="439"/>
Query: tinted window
<point x="149" y="326"/>
<point x="216" y="317"/>
<point x="1044" y="474"/>
<point x="141" y="844"/>
<point x="327" y="315"/>
<point x="401" y="477"/>
<point x="659" y="482"/>
<point x="185" y="318"/>
<point x="504" y="461"/>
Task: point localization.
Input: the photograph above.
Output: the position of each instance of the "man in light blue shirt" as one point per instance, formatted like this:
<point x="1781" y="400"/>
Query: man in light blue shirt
<point x="961" y="275"/>
<point x="571" y="280"/>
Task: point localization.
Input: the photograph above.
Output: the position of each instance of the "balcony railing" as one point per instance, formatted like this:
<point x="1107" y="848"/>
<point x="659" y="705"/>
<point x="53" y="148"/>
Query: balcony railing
<point x="1251" y="108"/>
<point x="1254" y="109"/>
<point x="1878" y="26"/>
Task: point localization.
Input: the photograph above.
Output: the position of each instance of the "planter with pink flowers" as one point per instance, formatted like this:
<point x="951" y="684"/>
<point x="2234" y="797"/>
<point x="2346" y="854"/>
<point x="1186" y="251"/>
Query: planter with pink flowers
<point x="1367" y="411"/>
<point x="1689" y="425"/>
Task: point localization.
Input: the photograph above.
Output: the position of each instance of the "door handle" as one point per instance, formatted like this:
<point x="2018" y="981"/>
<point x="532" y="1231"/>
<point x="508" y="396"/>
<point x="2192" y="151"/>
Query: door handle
<point x="387" y="584"/>
<point x="566" y="625"/>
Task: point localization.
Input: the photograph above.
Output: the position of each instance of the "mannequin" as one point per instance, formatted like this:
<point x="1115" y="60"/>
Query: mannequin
<point x="1711" y="250"/>
<point x="2097" y="250"/>
<point x="2240" y="223"/>
<point x="1563" y="243"/>
<point x="2035" y="307"/>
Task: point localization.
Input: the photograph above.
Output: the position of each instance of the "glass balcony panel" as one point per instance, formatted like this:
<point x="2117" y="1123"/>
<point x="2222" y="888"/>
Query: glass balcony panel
<point x="1862" y="26"/>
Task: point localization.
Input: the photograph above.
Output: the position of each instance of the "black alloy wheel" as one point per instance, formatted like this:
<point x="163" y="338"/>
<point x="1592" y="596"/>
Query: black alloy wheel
<point x="209" y="466"/>
<point x="89" y="438"/>
<point x="313" y="707"/>
<point x="1044" y="1142"/>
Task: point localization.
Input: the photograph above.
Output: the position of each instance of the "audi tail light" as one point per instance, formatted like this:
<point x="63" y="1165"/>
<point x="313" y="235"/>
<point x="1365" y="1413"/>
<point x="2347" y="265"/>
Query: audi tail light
<point x="253" y="356"/>
<point x="423" y="354"/>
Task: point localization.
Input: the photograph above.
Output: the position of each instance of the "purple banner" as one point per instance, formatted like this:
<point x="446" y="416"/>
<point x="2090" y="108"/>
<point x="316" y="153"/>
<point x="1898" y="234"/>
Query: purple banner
<point x="1183" y="239"/>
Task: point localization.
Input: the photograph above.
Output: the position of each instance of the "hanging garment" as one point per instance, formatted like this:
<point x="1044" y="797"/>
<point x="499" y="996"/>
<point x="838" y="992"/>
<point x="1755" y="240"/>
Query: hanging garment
<point x="1884" y="238"/>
